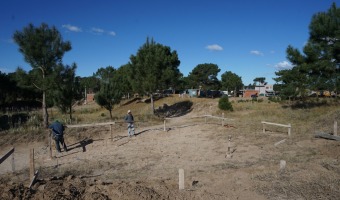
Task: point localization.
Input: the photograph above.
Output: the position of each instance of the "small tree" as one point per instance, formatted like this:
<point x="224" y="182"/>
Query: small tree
<point x="111" y="90"/>
<point x="224" y="104"/>
<point x="67" y="88"/>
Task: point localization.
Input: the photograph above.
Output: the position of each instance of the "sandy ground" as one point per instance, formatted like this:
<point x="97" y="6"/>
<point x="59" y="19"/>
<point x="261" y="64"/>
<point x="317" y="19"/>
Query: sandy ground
<point x="147" y="166"/>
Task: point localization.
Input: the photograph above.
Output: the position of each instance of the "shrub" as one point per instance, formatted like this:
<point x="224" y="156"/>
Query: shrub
<point x="224" y="104"/>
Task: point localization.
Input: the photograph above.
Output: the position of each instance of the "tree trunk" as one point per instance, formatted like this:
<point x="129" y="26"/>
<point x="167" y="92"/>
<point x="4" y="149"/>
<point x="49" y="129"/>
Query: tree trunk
<point x="110" y="114"/>
<point x="152" y="105"/>
<point x="70" y="114"/>
<point x="44" y="109"/>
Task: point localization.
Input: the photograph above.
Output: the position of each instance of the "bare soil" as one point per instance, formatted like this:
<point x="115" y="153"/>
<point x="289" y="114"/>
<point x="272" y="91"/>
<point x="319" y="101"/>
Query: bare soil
<point x="98" y="166"/>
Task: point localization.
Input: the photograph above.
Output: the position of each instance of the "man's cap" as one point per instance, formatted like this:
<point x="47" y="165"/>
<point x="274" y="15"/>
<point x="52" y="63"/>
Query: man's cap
<point x="129" y="111"/>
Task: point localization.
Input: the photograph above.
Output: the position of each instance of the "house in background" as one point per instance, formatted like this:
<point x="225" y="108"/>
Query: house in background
<point x="265" y="90"/>
<point x="89" y="98"/>
<point x="249" y="93"/>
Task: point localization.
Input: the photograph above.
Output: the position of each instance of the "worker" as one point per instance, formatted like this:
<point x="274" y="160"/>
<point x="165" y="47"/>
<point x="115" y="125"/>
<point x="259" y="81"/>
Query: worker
<point x="129" y="120"/>
<point x="58" y="134"/>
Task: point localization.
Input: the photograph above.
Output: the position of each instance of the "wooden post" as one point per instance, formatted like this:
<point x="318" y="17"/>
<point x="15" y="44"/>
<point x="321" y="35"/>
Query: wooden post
<point x="32" y="170"/>
<point x="289" y="129"/>
<point x="111" y="132"/>
<point x="50" y="142"/>
<point x="164" y="124"/>
<point x="229" y="145"/>
<point x="13" y="166"/>
<point x="34" y="178"/>
<point x="9" y="153"/>
<point x="181" y="179"/>
<point x="222" y="119"/>
<point x="263" y="127"/>
<point x="282" y="165"/>
<point x="335" y="128"/>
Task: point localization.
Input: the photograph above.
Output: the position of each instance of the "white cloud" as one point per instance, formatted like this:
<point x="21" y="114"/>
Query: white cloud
<point x="112" y="33"/>
<point x="214" y="47"/>
<point x="72" y="28"/>
<point x="97" y="30"/>
<point x="255" y="52"/>
<point x="283" y="65"/>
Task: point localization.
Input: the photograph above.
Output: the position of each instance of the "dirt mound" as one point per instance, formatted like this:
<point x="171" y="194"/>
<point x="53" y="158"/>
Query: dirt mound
<point x="71" y="187"/>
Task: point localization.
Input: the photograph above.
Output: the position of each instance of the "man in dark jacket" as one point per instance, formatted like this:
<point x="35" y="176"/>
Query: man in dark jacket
<point x="58" y="134"/>
<point x="129" y="119"/>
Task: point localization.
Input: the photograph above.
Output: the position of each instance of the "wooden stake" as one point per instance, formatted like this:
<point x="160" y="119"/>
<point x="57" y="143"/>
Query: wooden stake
<point x="13" y="166"/>
<point x="181" y="179"/>
<point x="32" y="169"/>
<point x="164" y="124"/>
<point x="335" y="128"/>
<point x="111" y="132"/>
<point x="34" y="178"/>
<point x="264" y="128"/>
<point x="50" y="143"/>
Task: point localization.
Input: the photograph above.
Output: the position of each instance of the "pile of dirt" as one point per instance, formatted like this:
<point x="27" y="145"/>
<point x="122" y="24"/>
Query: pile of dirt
<point x="72" y="187"/>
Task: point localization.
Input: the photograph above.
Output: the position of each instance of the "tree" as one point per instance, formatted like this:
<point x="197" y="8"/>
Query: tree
<point x="43" y="48"/>
<point x="259" y="80"/>
<point x="8" y="89"/>
<point x="224" y="104"/>
<point x="91" y="83"/>
<point x="124" y="72"/>
<point x="231" y="81"/>
<point x="318" y="67"/>
<point x="111" y="90"/>
<point x="205" y="75"/>
<point x="154" y="67"/>
<point x="68" y="89"/>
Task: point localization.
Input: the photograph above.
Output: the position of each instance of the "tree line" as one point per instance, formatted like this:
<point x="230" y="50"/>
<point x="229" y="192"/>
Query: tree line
<point x="154" y="68"/>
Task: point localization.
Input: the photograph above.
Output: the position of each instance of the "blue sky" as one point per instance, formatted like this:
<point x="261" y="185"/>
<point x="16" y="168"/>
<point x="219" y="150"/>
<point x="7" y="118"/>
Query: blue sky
<point x="246" y="37"/>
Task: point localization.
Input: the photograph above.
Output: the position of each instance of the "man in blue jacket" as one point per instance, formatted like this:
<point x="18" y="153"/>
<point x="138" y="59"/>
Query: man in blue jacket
<point x="58" y="134"/>
<point x="129" y="119"/>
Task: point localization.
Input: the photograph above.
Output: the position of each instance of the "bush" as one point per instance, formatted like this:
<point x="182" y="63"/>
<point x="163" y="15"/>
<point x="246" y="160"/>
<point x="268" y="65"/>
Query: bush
<point x="224" y="104"/>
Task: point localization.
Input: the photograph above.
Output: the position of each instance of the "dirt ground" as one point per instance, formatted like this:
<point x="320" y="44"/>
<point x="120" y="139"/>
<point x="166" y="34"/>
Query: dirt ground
<point x="146" y="166"/>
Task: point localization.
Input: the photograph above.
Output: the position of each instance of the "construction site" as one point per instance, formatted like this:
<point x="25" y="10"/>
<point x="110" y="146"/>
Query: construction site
<point x="190" y="150"/>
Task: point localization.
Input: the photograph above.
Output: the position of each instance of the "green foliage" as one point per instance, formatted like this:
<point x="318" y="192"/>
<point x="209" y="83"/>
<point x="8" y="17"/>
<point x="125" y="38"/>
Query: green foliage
<point x="111" y="90"/>
<point x="259" y="80"/>
<point x="205" y="75"/>
<point x="155" y="67"/>
<point x="91" y="83"/>
<point x="224" y="104"/>
<point x="318" y="67"/>
<point x="124" y="73"/>
<point x="67" y="88"/>
<point x="8" y="89"/>
<point x="231" y="81"/>
<point x="43" y="48"/>
<point x="274" y="99"/>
